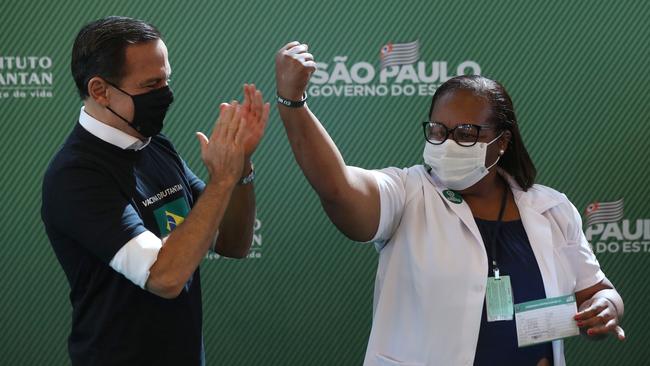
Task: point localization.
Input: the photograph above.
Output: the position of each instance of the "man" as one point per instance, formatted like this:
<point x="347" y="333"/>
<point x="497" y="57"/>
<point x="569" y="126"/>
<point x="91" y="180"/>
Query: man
<point x="128" y="221"/>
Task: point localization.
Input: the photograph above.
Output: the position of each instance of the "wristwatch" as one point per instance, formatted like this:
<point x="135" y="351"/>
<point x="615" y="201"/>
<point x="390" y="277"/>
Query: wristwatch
<point x="249" y="178"/>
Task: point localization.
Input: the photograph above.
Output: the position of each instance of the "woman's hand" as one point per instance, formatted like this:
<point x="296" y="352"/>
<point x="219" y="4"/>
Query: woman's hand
<point x="597" y="317"/>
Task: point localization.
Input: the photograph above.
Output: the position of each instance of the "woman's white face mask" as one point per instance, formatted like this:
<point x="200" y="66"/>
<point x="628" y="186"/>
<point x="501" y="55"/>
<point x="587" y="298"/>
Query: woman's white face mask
<point x="458" y="167"/>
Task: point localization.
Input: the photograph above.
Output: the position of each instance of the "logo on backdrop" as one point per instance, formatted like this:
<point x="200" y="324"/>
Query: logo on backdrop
<point x="399" y="54"/>
<point x="256" y="245"/>
<point x="398" y="70"/>
<point x="23" y="77"/>
<point x="608" y="231"/>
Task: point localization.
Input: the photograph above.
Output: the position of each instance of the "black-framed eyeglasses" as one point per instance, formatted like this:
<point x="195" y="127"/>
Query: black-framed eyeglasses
<point x="466" y="134"/>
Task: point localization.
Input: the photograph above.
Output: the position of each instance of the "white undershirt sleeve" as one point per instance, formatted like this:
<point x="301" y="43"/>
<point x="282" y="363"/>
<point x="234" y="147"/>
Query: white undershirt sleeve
<point x="136" y="257"/>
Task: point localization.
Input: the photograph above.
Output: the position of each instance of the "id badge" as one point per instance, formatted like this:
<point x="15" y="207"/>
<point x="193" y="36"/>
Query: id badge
<point x="498" y="299"/>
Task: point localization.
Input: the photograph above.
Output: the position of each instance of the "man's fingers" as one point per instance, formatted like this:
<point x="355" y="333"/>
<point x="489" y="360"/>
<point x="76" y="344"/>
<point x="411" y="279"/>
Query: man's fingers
<point x="225" y="120"/>
<point x="239" y="134"/>
<point x="265" y="114"/>
<point x="258" y="104"/>
<point x="228" y="111"/>
<point x="235" y="121"/>
<point x="219" y="123"/>
<point x="203" y="141"/>
<point x="257" y="127"/>
<point x="249" y="94"/>
<point x="242" y="130"/>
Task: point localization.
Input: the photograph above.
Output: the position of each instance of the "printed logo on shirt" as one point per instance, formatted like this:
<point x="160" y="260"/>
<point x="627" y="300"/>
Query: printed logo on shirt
<point x="173" y="220"/>
<point x="608" y="232"/>
<point x="452" y="196"/>
<point x="170" y="215"/>
<point x="162" y="194"/>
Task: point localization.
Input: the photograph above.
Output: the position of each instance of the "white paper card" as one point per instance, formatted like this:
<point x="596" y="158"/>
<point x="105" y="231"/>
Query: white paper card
<point x="546" y="320"/>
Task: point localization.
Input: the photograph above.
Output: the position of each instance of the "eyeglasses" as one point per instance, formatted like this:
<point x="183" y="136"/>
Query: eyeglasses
<point x="465" y="135"/>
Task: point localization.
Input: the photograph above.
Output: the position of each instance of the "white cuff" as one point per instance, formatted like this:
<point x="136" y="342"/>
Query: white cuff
<point x="136" y="257"/>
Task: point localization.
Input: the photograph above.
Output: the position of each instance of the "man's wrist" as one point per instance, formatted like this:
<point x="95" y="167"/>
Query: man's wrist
<point x="247" y="166"/>
<point x="249" y="176"/>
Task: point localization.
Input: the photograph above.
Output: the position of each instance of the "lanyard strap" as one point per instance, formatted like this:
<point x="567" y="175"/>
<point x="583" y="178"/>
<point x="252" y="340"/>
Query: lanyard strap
<point x="495" y="234"/>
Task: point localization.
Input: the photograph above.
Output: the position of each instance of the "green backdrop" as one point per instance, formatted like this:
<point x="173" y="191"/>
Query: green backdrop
<point x="577" y="72"/>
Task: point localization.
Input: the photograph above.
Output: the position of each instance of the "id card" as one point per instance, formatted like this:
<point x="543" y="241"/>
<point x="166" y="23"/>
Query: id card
<point x="546" y="320"/>
<point x="498" y="299"/>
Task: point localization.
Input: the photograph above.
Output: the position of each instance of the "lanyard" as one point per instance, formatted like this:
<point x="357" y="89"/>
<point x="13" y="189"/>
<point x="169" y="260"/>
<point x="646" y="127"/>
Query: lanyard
<point x="495" y="234"/>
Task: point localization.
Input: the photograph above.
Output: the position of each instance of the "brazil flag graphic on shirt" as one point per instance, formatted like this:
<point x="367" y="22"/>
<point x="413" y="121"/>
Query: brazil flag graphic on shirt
<point x="170" y="215"/>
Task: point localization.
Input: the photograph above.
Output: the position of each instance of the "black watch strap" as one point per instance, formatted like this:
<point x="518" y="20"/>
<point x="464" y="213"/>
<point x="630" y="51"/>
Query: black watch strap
<point x="292" y="103"/>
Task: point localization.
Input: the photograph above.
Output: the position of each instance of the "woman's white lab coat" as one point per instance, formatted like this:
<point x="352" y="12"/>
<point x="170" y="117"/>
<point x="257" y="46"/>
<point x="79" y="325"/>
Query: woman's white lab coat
<point x="431" y="277"/>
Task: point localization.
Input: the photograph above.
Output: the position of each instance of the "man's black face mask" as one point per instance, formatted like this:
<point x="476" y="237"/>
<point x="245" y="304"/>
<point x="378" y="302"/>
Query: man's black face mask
<point x="149" y="110"/>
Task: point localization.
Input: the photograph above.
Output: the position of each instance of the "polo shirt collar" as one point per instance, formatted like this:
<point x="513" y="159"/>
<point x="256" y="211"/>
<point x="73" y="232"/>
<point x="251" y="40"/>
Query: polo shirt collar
<point x="110" y="134"/>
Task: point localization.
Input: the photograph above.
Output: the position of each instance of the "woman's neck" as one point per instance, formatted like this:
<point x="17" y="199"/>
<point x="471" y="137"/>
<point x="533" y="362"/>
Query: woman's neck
<point x="485" y="197"/>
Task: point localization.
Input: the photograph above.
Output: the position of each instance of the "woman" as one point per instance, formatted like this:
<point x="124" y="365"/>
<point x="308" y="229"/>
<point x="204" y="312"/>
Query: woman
<point x="448" y="230"/>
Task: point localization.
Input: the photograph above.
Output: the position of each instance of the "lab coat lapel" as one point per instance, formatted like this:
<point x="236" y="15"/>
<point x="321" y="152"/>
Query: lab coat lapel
<point x="538" y="230"/>
<point x="461" y="209"/>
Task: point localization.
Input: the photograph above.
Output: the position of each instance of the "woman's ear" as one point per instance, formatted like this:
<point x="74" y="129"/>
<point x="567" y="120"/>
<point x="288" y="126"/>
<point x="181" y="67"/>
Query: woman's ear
<point x="504" y="141"/>
<point x="98" y="90"/>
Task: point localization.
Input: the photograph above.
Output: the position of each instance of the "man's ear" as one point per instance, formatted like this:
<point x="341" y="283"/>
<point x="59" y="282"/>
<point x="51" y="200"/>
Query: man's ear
<point x="98" y="90"/>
